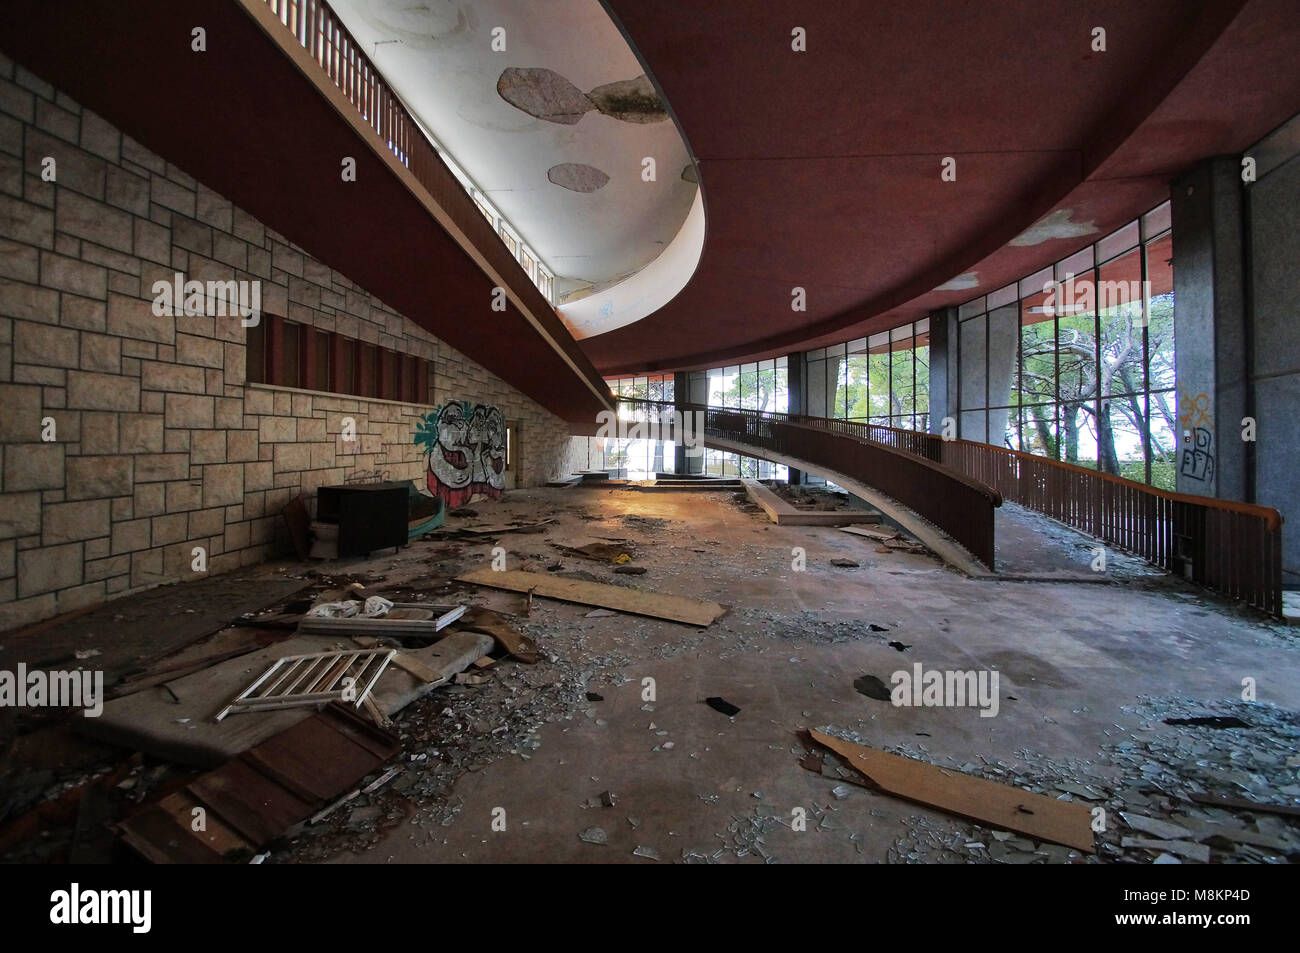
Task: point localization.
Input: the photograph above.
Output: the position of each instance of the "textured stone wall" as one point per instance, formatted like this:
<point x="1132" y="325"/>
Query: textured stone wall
<point x="159" y="443"/>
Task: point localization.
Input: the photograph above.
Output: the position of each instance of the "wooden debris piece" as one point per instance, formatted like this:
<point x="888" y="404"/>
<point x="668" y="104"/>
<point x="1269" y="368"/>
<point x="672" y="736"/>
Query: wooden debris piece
<point x="654" y="604"/>
<point x="1002" y="806"/>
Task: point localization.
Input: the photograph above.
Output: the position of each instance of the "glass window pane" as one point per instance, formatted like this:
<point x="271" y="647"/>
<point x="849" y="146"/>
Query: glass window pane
<point x="972" y="342"/>
<point x="1164" y="442"/>
<point x="972" y="308"/>
<point x="1118" y="242"/>
<point x="922" y="358"/>
<point x="1000" y="297"/>
<point x="1033" y="285"/>
<point x="878" y="365"/>
<point x="1160" y="313"/>
<point x="1120" y="307"/>
<point x="1036" y="377"/>
<point x="816" y="371"/>
<point x="859" y="387"/>
<point x="1039" y="430"/>
<point x="1156" y="221"/>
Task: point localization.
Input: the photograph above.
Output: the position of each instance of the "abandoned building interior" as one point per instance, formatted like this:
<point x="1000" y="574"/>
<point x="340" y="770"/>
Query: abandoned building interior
<point x="601" y="431"/>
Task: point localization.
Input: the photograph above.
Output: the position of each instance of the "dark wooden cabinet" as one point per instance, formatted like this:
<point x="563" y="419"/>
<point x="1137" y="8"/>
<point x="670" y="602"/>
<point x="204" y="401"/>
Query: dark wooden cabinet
<point x="370" y="516"/>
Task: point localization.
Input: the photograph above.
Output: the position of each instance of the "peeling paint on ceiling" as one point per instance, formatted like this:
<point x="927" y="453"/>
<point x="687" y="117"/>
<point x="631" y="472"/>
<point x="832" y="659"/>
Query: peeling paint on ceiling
<point x="631" y="100"/>
<point x="508" y="118"/>
<point x="577" y="177"/>
<point x="961" y="283"/>
<point x="543" y="94"/>
<point x="1052" y="226"/>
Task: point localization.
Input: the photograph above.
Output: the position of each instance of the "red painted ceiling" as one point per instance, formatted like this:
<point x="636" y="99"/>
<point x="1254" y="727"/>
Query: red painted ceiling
<point x="245" y="122"/>
<point x="822" y="169"/>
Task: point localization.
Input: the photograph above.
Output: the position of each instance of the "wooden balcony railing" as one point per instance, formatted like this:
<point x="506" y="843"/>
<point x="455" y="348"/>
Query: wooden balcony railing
<point x="960" y="506"/>
<point x="1234" y="549"/>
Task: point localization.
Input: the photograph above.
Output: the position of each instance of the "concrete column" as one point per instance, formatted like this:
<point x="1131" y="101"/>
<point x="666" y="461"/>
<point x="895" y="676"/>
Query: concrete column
<point x="797" y="399"/>
<point x="944" y="390"/>
<point x="1211" y="331"/>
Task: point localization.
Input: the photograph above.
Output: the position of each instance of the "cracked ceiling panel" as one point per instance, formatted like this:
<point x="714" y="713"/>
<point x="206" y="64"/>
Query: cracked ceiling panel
<point x="631" y="100"/>
<point x="500" y="85"/>
<point x="543" y="94"/>
<point x="577" y="177"/>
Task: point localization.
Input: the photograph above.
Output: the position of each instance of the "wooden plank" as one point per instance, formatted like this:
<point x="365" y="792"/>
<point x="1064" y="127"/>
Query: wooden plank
<point x="417" y="668"/>
<point x="999" y="805"/>
<point x="654" y="604"/>
<point x="870" y="533"/>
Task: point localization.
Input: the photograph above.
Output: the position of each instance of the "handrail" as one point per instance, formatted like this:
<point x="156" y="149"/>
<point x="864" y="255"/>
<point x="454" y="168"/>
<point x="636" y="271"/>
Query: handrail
<point x="958" y="504"/>
<point x="1227" y="546"/>
<point x="318" y="40"/>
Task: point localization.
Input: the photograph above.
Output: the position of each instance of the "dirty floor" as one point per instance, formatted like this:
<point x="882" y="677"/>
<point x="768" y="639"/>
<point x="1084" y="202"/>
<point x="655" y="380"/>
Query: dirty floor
<point x="606" y="752"/>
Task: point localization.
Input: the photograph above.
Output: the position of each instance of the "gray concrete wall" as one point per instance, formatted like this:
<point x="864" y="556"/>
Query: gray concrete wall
<point x="944" y="379"/>
<point x="1211" y="334"/>
<point x="1275" y="275"/>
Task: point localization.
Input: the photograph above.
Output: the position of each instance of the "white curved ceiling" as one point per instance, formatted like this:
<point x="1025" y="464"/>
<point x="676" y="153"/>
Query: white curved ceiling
<point x="438" y="56"/>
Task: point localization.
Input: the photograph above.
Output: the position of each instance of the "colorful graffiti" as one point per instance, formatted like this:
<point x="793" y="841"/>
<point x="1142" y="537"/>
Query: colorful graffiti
<point x="465" y="451"/>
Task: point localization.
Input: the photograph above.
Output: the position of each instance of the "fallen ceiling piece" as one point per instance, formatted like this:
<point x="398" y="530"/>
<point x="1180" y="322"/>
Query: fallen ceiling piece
<point x="654" y="604"/>
<point x="314" y="679"/>
<point x="1002" y="806"/>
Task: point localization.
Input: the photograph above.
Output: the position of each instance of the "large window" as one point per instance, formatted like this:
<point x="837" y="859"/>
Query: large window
<point x="1076" y="362"/>
<point x="762" y="385"/>
<point x="882" y="379"/>
<point x="288" y="354"/>
<point x="639" y="459"/>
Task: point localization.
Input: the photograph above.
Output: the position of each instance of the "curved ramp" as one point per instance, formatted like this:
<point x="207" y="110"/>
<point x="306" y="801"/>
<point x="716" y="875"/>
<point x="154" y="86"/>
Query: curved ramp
<point x="934" y="537"/>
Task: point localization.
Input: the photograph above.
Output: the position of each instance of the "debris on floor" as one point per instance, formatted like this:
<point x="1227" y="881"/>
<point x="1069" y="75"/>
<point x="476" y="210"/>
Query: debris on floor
<point x="722" y="705"/>
<point x="1000" y="805"/>
<point x="659" y="605"/>
<point x="318" y="678"/>
<point x="228" y="814"/>
<point x="872" y="687"/>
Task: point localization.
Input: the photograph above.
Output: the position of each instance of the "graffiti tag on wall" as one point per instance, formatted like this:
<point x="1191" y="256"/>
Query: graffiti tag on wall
<point x="1198" y="455"/>
<point x="1198" y="437"/>
<point x="465" y="451"/>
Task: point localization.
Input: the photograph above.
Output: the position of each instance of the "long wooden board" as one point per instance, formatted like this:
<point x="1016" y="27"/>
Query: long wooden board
<point x="655" y="604"/>
<point x="1002" y="806"/>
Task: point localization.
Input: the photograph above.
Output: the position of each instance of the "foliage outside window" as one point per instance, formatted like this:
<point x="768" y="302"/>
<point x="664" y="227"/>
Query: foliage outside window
<point x="1089" y="360"/>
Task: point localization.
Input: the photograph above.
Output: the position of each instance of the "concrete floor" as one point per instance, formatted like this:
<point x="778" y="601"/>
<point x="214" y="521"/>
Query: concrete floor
<point x="1072" y="658"/>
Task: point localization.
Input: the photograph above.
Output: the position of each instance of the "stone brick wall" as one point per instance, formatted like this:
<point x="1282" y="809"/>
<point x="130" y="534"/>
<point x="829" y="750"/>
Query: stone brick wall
<point x="159" y="443"/>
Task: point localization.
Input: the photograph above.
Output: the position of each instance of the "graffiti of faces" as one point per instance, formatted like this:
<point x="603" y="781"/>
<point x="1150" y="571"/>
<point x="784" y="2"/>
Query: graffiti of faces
<point x="487" y="432"/>
<point x="467" y="450"/>
<point x="450" y="457"/>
